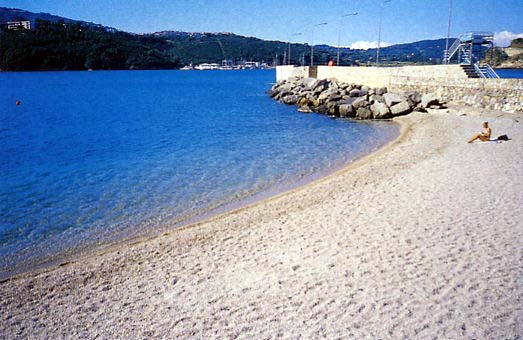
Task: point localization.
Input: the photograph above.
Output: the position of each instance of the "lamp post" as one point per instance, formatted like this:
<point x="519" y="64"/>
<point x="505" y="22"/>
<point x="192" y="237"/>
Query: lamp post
<point x="292" y="35"/>
<point x="379" y="32"/>
<point x="448" y="34"/>
<point x="339" y="35"/>
<point x="312" y="41"/>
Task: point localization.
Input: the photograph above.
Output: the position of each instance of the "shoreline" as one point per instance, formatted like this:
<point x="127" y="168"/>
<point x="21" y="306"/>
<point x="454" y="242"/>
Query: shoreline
<point x="413" y="240"/>
<point x="206" y="215"/>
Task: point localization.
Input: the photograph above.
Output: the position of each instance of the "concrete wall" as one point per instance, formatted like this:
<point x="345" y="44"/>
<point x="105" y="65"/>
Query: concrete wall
<point x="448" y="81"/>
<point x="372" y="76"/>
<point x="290" y="71"/>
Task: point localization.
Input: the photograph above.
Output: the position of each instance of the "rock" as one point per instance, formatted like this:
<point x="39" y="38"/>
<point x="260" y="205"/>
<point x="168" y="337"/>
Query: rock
<point x="429" y="99"/>
<point x="290" y="99"/>
<point x="349" y="100"/>
<point x="319" y="89"/>
<point x="273" y="92"/>
<point x="355" y="93"/>
<point x="304" y="109"/>
<point x="360" y="102"/>
<point x="305" y="94"/>
<point x="309" y="83"/>
<point x="380" y="91"/>
<point x="322" y="109"/>
<point x="393" y="98"/>
<point x="303" y="102"/>
<point x="380" y="110"/>
<point x="334" y="97"/>
<point x="363" y="113"/>
<point x="400" y="108"/>
<point x="414" y="97"/>
<point x="365" y="88"/>
<point x="345" y="110"/>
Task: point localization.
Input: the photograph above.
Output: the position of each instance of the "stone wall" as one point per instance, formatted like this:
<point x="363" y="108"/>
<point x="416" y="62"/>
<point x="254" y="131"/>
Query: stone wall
<point x="447" y="81"/>
<point x="496" y="94"/>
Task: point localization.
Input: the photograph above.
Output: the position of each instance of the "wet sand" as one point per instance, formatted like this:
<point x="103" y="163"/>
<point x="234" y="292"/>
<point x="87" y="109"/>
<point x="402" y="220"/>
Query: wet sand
<point x="422" y="239"/>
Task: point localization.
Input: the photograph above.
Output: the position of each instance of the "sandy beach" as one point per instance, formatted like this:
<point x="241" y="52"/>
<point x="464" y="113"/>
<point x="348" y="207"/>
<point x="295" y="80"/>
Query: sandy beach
<point x="422" y="239"/>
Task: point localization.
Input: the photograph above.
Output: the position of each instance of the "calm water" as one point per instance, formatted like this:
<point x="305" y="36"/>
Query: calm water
<point x="510" y="73"/>
<point x="93" y="157"/>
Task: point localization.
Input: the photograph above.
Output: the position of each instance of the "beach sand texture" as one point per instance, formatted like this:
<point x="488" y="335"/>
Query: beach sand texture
<point x="423" y="239"/>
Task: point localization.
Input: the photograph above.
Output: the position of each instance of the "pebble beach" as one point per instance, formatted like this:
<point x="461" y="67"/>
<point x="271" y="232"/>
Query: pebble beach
<point x="421" y="239"/>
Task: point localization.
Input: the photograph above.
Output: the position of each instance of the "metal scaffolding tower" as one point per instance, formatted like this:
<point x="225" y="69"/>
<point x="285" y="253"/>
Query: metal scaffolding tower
<point x="469" y="50"/>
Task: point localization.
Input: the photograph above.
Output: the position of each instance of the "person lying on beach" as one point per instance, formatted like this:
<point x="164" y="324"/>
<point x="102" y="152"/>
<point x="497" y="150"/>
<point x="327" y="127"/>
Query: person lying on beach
<point x="484" y="135"/>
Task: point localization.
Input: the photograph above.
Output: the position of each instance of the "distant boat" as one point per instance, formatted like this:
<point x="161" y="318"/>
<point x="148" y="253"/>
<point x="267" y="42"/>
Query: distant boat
<point x="206" y="66"/>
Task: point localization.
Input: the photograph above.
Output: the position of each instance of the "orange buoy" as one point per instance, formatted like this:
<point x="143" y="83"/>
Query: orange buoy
<point x="18" y="103"/>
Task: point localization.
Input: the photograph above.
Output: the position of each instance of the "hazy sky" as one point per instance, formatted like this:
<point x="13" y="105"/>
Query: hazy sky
<point x="403" y="20"/>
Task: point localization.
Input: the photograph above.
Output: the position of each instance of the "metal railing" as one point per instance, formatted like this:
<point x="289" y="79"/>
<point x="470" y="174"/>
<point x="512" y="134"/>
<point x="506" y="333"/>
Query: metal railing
<point x="485" y="71"/>
<point x="451" y="51"/>
<point x="490" y="71"/>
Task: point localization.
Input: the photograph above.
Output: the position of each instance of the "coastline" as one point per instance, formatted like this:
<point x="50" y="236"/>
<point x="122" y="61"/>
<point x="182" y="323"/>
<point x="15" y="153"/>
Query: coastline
<point x="348" y="254"/>
<point x="204" y="215"/>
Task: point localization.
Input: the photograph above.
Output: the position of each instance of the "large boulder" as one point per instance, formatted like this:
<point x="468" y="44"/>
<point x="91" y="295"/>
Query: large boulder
<point x="376" y="98"/>
<point x="334" y="97"/>
<point x="346" y="110"/>
<point x="429" y="99"/>
<point x="322" y="109"/>
<point x="380" y="91"/>
<point x="400" y="108"/>
<point x="393" y="98"/>
<point x="356" y="93"/>
<point x="363" y="113"/>
<point x="414" y="97"/>
<point x="273" y="92"/>
<point x="349" y="100"/>
<point x="290" y="99"/>
<point x="360" y="102"/>
<point x="304" y="109"/>
<point x="380" y="110"/>
<point x="324" y="96"/>
<point x="309" y="83"/>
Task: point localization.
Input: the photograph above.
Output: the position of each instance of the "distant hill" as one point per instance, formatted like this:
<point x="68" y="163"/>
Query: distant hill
<point x="51" y="45"/>
<point x="517" y="43"/>
<point x="15" y="14"/>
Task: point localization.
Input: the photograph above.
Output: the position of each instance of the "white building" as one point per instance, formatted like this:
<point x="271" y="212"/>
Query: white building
<point x="19" y="25"/>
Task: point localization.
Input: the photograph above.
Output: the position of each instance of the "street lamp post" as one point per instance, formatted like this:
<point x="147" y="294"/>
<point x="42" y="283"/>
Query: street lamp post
<point x="379" y="32"/>
<point x="292" y="35"/>
<point x="339" y="35"/>
<point x="446" y="56"/>
<point x="312" y="41"/>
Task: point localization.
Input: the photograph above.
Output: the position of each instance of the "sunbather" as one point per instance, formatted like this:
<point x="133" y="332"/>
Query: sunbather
<point x="484" y="135"/>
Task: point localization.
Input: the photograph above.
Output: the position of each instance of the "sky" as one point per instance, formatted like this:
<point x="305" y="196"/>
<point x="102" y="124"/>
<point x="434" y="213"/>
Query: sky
<point x="294" y="20"/>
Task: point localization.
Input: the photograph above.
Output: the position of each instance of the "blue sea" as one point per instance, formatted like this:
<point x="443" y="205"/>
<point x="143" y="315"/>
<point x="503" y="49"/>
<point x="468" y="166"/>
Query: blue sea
<point x="92" y="158"/>
<point x="510" y="73"/>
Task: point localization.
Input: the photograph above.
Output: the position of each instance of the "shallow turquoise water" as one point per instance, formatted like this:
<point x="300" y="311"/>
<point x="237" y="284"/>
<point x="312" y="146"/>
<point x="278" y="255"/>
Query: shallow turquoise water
<point x="93" y="157"/>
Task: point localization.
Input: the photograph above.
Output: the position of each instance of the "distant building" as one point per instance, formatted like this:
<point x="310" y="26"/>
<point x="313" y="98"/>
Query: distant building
<point x="19" y="25"/>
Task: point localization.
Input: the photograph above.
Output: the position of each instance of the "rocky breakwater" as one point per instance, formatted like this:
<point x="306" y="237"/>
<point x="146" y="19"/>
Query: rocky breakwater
<point x="337" y="99"/>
